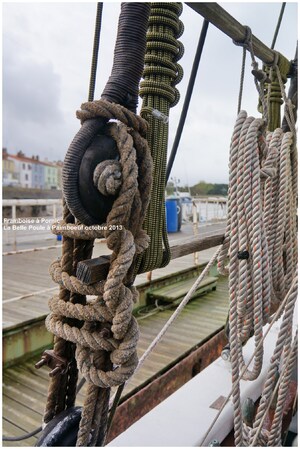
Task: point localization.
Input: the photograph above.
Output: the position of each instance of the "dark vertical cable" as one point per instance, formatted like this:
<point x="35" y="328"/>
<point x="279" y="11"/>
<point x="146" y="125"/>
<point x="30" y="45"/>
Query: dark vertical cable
<point x="278" y="25"/>
<point x="114" y="407"/>
<point x="293" y="90"/>
<point x="187" y="97"/>
<point x="95" y="52"/>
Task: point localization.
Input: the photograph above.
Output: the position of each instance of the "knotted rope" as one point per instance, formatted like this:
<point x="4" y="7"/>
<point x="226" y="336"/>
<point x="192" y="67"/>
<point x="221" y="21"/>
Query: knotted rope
<point x="274" y="91"/>
<point x="259" y="75"/>
<point x="107" y="177"/>
<point x="104" y="331"/>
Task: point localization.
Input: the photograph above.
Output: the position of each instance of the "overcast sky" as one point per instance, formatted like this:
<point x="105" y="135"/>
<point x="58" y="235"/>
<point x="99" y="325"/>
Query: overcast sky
<point x="46" y="65"/>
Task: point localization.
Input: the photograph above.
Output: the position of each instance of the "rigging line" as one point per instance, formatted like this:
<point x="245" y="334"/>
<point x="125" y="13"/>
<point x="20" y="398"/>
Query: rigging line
<point x="175" y="314"/>
<point x="291" y="353"/>
<point x="275" y="317"/>
<point x="242" y="78"/>
<point x="178" y="310"/>
<point x="28" y="295"/>
<point x="187" y="99"/>
<point x="30" y="250"/>
<point x="23" y="437"/>
<point x="278" y="25"/>
<point x="95" y="51"/>
<point x="113" y="408"/>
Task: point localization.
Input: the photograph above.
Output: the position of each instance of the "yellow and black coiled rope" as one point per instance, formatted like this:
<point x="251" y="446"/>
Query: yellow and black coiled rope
<point x="158" y="90"/>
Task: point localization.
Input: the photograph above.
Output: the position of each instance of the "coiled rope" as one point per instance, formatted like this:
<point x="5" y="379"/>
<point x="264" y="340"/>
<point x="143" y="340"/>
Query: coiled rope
<point x="161" y="74"/>
<point x="260" y="240"/>
<point x="275" y="317"/>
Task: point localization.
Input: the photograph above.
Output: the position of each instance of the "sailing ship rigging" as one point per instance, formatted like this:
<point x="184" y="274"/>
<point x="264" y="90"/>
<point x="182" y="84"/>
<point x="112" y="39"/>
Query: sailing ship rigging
<point x="114" y="178"/>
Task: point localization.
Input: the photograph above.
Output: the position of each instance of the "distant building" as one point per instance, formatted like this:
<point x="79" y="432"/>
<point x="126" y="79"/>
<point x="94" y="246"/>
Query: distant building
<point x="23" y="167"/>
<point x="38" y="173"/>
<point x="22" y="171"/>
<point x="10" y="177"/>
<point x="51" y="175"/>
<point x="59" y="166"/>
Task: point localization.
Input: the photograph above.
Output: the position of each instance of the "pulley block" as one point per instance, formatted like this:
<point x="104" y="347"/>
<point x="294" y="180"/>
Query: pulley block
<point x="98" y="206"/>
<point x="89" y="147"/>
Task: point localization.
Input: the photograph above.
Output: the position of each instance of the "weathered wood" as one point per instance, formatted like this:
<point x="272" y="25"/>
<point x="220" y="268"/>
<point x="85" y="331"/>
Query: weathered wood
<point x="196" y="243"/>
<point x="190" y="330"/>
<point x="175" y="292"/>
<point x="93" y="270"/>
<point x="215" y="14"/>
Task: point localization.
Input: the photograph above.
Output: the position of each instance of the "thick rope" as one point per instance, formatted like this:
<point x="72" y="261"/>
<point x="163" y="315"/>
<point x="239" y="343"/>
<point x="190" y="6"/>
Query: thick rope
<point x="104" y="331"/>
<point x="261" y="218"/>
<point x="161" y="74"/>
<point x="275" y="317"/>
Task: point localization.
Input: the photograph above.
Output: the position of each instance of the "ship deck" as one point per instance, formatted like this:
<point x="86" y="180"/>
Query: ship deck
<point x="26" y="289"/>
<point x="27" y="285"/>
<point x="25" y="388"/>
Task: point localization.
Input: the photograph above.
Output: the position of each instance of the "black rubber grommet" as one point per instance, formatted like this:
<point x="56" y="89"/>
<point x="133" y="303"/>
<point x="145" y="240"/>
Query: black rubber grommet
<point x="62" y="430"/>
<point x="243" y="255"/>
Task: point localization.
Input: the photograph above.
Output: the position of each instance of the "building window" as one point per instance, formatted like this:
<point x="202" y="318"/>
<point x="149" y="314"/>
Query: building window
<point x="26" y="177"/>
<point x="29" y="166"/>
<point x="23" y="166"/>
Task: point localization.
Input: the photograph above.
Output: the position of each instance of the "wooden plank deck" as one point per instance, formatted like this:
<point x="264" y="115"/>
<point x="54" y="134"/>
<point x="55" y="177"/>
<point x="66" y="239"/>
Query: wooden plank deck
<point x="27" y="285"/>
<point x="25" y="389"/>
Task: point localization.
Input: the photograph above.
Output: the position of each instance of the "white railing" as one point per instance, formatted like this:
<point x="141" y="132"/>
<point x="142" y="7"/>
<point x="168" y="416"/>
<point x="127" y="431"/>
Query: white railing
<point x="12" y="234"/>
<point x="31" y="202"/>
<point x="208" y="209"/>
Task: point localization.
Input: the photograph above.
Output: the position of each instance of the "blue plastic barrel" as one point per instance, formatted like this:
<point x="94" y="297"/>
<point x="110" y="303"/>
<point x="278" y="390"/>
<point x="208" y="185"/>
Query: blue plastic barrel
<point x="171" y="215"/>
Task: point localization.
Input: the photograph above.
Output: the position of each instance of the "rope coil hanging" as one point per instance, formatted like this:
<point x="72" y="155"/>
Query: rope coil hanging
<point x="261" y="242"/>
<point x="161" y="74"/>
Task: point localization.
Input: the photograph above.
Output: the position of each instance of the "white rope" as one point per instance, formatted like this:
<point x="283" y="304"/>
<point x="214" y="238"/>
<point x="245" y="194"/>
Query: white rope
<point x="174" y="315"/>
<point x="275" y="317"/>
<point x="260" y="240"/>
<point x="261" y="206"/>
<point x="286" y="372"/>
<point x="178" y="310"/>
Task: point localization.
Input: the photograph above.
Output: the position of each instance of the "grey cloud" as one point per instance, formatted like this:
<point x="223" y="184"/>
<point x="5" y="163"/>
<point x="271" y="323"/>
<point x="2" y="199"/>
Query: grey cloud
<point x="40" y="98"/>
<point x="31" y="89"/>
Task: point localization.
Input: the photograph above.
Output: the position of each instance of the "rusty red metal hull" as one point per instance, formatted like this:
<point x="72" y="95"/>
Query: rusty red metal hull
<point x="132" y="409"/>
